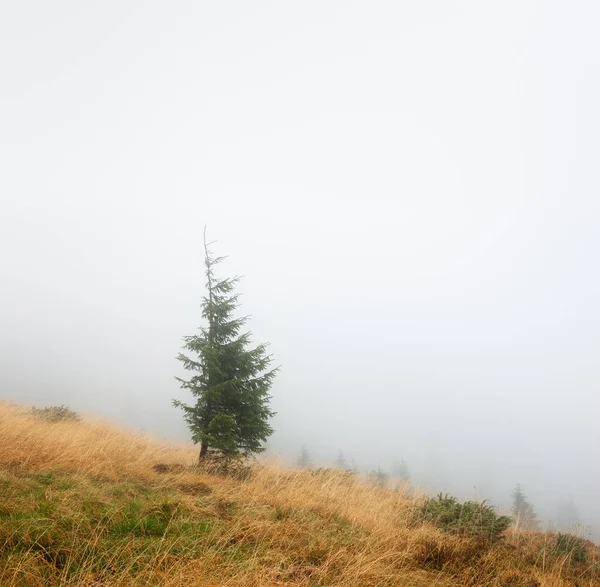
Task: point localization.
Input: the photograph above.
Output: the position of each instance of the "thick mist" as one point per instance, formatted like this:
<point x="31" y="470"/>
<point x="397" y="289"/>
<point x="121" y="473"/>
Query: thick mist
<point x="410" y="191"/>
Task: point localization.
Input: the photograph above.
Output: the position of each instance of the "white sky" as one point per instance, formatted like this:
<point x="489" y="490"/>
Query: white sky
<point x="410" y="189"/>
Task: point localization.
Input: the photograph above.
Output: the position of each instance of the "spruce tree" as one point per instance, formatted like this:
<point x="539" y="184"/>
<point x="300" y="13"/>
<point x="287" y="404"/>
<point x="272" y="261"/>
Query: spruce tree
<point x="523" y="512"/>
<point x="400" y="470"/>
<point x="304" y="460"/>
<point x="231" y="380"/>
<point x="568" y="515"/>
<point x="341" y="461"/>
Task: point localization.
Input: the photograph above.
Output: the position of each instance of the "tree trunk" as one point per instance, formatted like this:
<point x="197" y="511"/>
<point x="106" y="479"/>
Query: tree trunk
<point x="203" y="451"/>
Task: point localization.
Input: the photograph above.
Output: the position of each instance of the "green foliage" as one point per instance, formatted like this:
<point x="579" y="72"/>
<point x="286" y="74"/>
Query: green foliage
<point x="468" y="518"/>
<point x="56" y="414"/>
<point x="569" y="545"/>
<point x="230" y="380"/>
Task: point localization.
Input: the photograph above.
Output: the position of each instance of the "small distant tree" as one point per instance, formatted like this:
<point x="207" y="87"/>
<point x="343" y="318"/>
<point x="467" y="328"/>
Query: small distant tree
<point x="567" y="515"/>
<point x="231" y="380"/>
<point x="522" y="511"/>
<point x="304" y="460"/>
<point x="379" y="477"/>
<point x="400" y="470"/>
<point x="341" y="462"/>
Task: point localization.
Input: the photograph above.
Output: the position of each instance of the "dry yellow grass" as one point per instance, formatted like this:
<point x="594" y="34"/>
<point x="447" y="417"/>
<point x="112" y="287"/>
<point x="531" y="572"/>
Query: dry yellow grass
<point x="82" y="505"/>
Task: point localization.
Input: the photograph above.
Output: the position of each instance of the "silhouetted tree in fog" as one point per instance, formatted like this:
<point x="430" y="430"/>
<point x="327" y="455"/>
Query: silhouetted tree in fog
<point x="341" y="461"/>
<point x="304" y="460"/>
<point x="400" y="470"/>
<point x="567" y="515"/>
<point x="379" y="477"/>
<point x="522" y="510"/>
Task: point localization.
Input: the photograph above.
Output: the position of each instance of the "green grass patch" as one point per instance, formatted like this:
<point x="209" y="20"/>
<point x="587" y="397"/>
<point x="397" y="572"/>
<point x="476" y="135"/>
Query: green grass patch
<point x="139" y="522"/>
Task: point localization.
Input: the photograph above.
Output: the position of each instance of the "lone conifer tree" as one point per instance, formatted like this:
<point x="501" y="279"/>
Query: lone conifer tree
<point x="231" y="381"/>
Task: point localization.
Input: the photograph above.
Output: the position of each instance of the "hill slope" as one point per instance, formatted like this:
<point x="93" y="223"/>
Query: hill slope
<point x="81" y="504"/>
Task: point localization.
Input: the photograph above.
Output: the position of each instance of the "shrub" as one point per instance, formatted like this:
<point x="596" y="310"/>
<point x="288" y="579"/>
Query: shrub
<point x="569" y="545"/>
<point x="56" y="414"/>
<point x="468" y="518"/>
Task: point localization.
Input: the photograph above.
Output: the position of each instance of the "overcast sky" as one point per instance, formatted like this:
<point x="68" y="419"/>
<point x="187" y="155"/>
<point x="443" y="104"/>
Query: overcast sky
<point x="410" y="190"/>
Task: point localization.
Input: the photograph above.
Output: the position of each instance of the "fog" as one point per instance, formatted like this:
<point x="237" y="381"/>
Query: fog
<point x="410" y="190"/>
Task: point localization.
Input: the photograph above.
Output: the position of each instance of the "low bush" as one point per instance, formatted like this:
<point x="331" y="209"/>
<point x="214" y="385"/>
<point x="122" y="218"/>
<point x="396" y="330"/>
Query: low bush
<point x="56" y="414"/>
<point x="569" y="545"/>
<point x="468" y="518"/>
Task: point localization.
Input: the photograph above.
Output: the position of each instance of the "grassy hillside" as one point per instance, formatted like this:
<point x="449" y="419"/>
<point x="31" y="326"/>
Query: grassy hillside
<point x="82" y="505"/>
